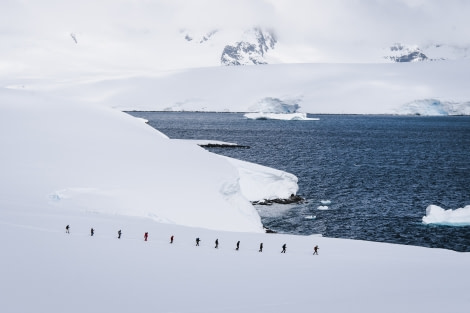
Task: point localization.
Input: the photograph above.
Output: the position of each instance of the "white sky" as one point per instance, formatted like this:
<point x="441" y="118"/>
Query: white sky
<point x="134" y="35"/>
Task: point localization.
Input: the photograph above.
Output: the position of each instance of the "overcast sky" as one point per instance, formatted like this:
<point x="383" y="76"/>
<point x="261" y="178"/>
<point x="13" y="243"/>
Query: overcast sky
<point x="133" y="33"/>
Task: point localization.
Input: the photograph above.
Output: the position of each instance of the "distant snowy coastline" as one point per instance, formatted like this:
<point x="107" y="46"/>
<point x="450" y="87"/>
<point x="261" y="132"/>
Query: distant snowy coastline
<point x="425" y="88"/>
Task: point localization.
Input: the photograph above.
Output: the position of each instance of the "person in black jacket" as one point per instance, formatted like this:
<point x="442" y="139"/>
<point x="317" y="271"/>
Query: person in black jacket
<point x="315" y="250"/>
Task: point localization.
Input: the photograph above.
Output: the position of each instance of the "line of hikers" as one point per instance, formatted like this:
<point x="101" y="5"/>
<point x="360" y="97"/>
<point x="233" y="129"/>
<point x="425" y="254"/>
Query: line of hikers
<point x="146" y="235"/>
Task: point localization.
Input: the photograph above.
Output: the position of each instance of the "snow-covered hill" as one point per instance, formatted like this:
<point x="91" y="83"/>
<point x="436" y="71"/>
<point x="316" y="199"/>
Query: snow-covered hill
<point x="79" y="157"/>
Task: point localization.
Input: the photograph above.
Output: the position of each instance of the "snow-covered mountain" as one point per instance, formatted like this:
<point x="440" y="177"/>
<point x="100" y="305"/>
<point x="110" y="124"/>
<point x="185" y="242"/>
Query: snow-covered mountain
<point x="247" y="47"/>
<point x="251" y="49"/>
<point x="432" y="52"/>
<point x="92" y="41"/>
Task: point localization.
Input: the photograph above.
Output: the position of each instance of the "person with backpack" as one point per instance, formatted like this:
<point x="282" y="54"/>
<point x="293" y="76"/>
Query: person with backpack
<point x="146" y="235"/>
<point x="92" y="232"/>
<point x="67" y="229"/>
<point x="315" y="250"/>
<point x="261" y="247"/>
<point x="171" y="239"/>
<point x="119" y="234"/>
<point x="238" y="245"/>
<point x="217" y="243"/>
<point x="284" y="246"/>
<point x="197" y="241"/>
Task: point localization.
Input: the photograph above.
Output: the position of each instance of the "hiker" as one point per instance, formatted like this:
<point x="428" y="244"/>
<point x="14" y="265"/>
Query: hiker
<point x="119" y="234"/>
<point x="284" y="246"/>
<point x="146" y="235"/>
<point x="67" y="229"/>
<point x="217" y="243"/>
<point x="92" y="231"/>
<point x="315" y="250"/>
<point x="261" y="247"/>
<point x="238" y="245"/>
<point x="171" y="239"/>
<point x="197" y="241"/>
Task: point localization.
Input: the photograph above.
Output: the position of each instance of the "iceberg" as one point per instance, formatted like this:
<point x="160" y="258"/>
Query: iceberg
<point x="438" y="215"/>
<point x="280" y="116"/>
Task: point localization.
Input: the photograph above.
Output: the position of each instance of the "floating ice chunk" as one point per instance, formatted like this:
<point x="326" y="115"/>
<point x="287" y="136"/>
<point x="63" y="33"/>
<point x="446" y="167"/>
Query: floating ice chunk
<point x="437" y="215"/>
<point x="325" y="202"/>
<point x="310" y="217"/>
<point x="323" y="208"/>
<point x="280" y="116"/>
<point x="204" y="142"/>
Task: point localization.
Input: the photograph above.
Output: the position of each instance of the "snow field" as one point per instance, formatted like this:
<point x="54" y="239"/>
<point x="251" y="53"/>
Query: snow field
<point x="78" y="273"/>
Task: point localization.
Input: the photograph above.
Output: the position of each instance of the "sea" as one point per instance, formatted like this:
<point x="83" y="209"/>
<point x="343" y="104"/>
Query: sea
<point x="365" y="177"/>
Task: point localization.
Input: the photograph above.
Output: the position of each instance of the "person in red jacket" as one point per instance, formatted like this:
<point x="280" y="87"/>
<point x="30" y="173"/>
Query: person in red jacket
<point x="146" y="235"/>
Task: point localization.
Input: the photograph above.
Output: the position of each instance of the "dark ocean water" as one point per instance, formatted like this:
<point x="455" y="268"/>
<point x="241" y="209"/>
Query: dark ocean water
<point x="379" y="173"/>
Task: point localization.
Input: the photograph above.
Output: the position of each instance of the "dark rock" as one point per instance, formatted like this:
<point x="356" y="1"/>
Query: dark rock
<point x="269" y="231"/>
<point x="215" y="145"/>
<point x="291" y="200"/>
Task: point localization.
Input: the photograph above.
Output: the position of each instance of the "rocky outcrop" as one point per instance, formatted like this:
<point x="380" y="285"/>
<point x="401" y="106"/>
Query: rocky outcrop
<point x="402" y="53"/>
<point x="251" y="50"/>
<point x="291" y="200"/>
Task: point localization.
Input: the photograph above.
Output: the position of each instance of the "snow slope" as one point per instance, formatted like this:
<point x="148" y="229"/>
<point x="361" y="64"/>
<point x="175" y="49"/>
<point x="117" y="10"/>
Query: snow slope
<point x="87" y="158"/>
<point x="399" y="88"/>
<point x="45" y="270"/>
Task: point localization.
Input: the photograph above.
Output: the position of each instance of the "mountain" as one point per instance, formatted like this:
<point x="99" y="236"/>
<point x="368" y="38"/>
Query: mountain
<point x="399" y="52"/>
<point x="250" y="50"/>
<point x="228" y="47"/>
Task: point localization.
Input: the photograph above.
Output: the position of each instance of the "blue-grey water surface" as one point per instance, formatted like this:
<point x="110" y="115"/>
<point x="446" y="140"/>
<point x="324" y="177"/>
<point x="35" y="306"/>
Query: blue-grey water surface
<point x="379" y="172"/>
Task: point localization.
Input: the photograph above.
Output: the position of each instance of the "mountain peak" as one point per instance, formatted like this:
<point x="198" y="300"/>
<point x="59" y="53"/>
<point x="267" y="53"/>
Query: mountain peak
<point x="251" y="49"/>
